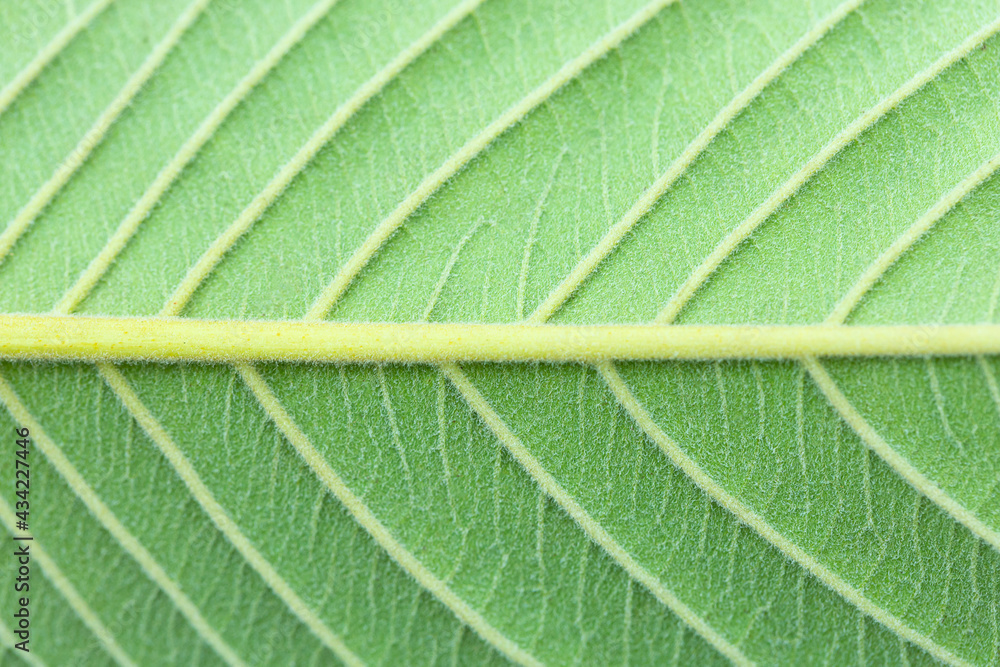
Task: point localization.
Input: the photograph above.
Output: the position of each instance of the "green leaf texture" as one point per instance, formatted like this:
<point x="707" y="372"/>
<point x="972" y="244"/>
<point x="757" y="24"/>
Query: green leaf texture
<point x="716" y="162"/>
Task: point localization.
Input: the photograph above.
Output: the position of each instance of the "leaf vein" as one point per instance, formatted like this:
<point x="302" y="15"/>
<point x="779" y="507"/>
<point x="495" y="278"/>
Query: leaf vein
<point x="97" y="132"/>
<point x="783" y="544"/>
<point x="522" y="280"/>
<point x="457" y="161"/>
<point x="218" y="515"/>
<point x="188" y="151"/>
<point x="283" y="178"/>
<point x="852" y="416"/>
<point x="894" y="459"/>
<point x="586" y="266"/>
<point x="49" y="52"/>
<point x="587" y="523"/>
<point x="842" y="404"/>
<point x="80" y="607"/>
<point x="813" y="166"/>
<point x="905" y="241"/>
<point x="153" y="570"/>
<point x="448" y="267"/>
<point x="177" y="339"/>
<point x="378" y="531"/>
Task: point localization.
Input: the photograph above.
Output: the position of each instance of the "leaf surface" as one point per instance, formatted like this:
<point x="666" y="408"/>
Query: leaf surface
<point x="714" y="163"/>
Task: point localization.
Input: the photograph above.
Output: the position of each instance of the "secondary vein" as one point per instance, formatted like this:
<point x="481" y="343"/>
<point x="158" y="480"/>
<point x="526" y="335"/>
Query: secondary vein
<point x="759" y="524"/>
<point x="99" y="130"/>
<point x="30" y="72"/>
<point x="76" y="601"/>
<point x="586" y="267"/>
<point x="122" y="536"/>
<point x="813" y="166"/>
<point x="307" y="152"/>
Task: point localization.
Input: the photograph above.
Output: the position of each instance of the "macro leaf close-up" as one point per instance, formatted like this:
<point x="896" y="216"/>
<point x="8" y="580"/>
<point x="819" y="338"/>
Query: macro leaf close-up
<point x="470" y="332"/>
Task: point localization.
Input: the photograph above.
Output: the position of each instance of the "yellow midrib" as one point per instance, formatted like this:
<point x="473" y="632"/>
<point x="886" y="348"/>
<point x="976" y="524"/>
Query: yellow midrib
<point x="169" y="339"/>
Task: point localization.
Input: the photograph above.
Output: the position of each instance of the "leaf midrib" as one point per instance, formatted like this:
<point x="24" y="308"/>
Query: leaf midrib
<point x="723" y="250"/>
<point x="182" y="339"/>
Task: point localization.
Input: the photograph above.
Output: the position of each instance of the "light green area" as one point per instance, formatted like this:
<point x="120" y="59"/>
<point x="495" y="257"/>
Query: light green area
<point x="964" y="253"/>
<point x="80" y="83"/>
<point x="489" y="246"/>
<point x="28" y="27"/>
<point x="73" y="643"/>
<point x="948" y="400"/>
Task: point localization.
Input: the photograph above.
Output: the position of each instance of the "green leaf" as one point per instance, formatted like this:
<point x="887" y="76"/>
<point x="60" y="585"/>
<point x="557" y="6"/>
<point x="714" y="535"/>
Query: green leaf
<point x="799" y="463"/>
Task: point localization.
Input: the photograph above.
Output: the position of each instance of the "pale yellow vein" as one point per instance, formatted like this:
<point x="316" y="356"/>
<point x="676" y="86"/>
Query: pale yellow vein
<point x="541" y="504"/>
<point x="7" y="641"/>
<point x="991" y="381"/>
<point x="942" y="408"/>
<point x="376" y="247"/>
<point x="576" y="277"/>
<point x="153" y="570"/>
<point x="165" y="179"/>
<point x="97" y="132"/>
<point x="522" y="280"/>
<point x="583" y="270"/>
<point x="786" y="546"/>
<point x="180" y="339"/>
<point x="800" y="437"/>
<point x="895" y="460"/>
<point x="816" y="163"/>
<point x="378" y="531"/>
<point x="76" y="601"/>
<point x="256" y="383"/>
<point x="397" y="440"/>
<point x="906" y="240"/>
<point x="226" y="525"/>
<point x="433" y="182"/>
<point x="448" y="267"/>
<point x="843" y="405"/>
<point x="587" y="523"/>
<point x="51" y="50"/>
<point x="442" y="423"/>
<point x="281" y="180"/>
